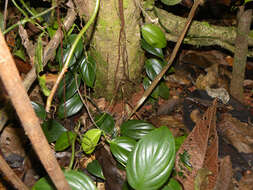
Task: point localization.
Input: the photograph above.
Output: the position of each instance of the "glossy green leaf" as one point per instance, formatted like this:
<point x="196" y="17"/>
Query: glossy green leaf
<point x="135" y="129"/>
<point x="62" y="55"/>
<point x="146" y="83"/>
<point x="76" y="179"/>
<point x="153" y="67"/>
<point x="88" y="70"/>
<point x="171" y="2"/>
<point x="70" y="86"/>
<point x="105" y="122"/>
<point x="151" y="162"/>
<point x="154" y="51"/>
<point x="52" y="130"/>
<point x="79" y="48"/>
<point x="173" y="185"/>
<point x="64" y="141"/>
<point x="164" y="90"/>
<point x="70" y="107"/>
<point x="121" y="148"/>
<point x="39" y="110"/>
<point x="153" y="35"/>
<point x="95" y="169"/>
<point x="90" y="140"/>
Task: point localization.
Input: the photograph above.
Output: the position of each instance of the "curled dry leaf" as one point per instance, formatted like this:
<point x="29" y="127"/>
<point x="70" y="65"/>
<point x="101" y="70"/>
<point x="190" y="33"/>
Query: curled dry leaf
<point x="199" y="153"/>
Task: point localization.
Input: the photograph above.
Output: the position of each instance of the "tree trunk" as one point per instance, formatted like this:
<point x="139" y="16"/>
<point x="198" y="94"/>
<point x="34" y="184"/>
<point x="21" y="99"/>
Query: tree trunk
<point x="119" y="59"/>
<point x="240" y="57"/>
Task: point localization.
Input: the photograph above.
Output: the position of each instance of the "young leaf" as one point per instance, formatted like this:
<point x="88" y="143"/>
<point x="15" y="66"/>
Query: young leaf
<point x="39" y="110"/>
<point x="121" y="147"/>
<point x="70" y="107"/>
<point x="153" y="35"/>
<point x="76" y="179"/>
<point x="154" y="51"/>
<point x="105" y="122"/>
<point x="43" y="86"/>
<point x="64" y="141"/>
<point x="88" y="70"/>
<point x="135" y="129"/>
<point x="90" y="140"/>
<point x="52" y="130"/>
<point x="150" y="163"/>
<point x="95" y="169"/>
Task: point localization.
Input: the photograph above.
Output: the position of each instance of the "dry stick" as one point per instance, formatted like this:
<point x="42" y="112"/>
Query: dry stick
<point x="20" y="100"/>
<point x="172" y="57"/>
<point x="50" y="49"/>
<point x="10" y="174"/>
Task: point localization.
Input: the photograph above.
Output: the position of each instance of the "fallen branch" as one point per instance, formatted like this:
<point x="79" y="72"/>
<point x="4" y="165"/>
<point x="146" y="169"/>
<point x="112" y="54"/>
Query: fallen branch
<point x="21" y="102"/>
<point x="200" y="33"/>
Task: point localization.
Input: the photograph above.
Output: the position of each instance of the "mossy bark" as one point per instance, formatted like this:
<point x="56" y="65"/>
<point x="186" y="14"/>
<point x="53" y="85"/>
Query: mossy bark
<point x="105" y="44"/>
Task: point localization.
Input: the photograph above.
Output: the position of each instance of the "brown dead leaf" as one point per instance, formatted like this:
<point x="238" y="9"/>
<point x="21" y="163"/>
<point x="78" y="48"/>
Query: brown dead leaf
<point x="199" y="153"/>
<point x="238" y="133"/>
<point x="246" y="183"/>
<point x="224" y="180"/>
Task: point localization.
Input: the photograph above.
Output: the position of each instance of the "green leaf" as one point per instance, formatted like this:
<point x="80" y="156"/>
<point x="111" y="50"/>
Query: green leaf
<point x="88" y="70"/>
<point x="153" y="67"/>
<point x="43" y="86"/>
<point x="146" y="83"/>
<point x="173" y="185"/>
<point x="76" y="179"/>
<point x="64" y="141"/>
<point x="20" y="54"/>
<point x="121" y="148"/>
<point x="95" y="169"/>
<point x="171" y="2"/>
<point x="136" y="129"/>
<point x="90" y="140"/>
<point x="179" y="141"/>
<point x="69" y="84"/>
<point x="70" y="107"/>
<point x="154" y="51"/>
<point x="39" y="110"/>
<point x="105" y="122"/>
<point x="153" y="35"/>
<point x="79" y="48"/>
<point x="151" y="162"/>
<point x="52" y="130"/>
<point x="164" y="90"/>
<point x="62" y="55"/>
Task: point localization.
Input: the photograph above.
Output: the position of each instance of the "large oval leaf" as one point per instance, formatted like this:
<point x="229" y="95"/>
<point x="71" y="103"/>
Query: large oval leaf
<point x="121" y="148"/>
<point x="39" y="110"/>
<point x="62" y="55"/>
<point x="173" y="185"/>
<point x="70" y="107"/>
<point x="79" y="48"/>
<point x="77" y="180"/>
<point x="105" y="122"/>
<point x="90" y="140"/>
<point x="135" y="129"/>
<point x="153" y="35"/>
<point x="52" y="130"/>
<point x="88" y="70"/>
<point x="151" y="162"/>
<point x="154" y="51"/>
<point x="153" y="67"/>
<point x="146" y="83"/>
<point x="69" y="84"/>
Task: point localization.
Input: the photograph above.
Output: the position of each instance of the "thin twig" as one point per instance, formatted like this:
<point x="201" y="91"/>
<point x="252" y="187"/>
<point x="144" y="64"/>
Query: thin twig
<point x="5" y="12"/>
<point x="172" y="57"/>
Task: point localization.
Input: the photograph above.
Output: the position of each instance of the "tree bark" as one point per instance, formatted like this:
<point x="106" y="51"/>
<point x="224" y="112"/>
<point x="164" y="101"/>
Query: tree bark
<point x="20" y="100"/>
<point x="241" y="50"/>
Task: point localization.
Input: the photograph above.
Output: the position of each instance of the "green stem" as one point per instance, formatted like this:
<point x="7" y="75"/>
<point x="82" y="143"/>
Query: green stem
<point x="71" y="52"/>
<point x="27" y="20"/>
<point x="72" y="153"/>
<point x="19" y="8"/>
<point x="27" y="8"/>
